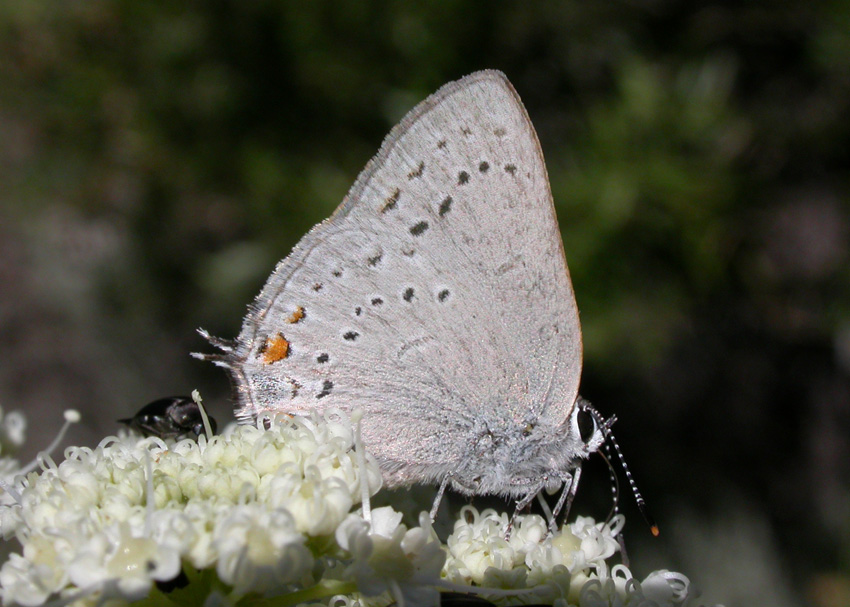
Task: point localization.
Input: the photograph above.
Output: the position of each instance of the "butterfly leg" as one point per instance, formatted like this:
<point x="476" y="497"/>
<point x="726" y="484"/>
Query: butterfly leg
<point x="439" y="497"/>
<point x="567" y="496"/>
<point x="520" y="506"/>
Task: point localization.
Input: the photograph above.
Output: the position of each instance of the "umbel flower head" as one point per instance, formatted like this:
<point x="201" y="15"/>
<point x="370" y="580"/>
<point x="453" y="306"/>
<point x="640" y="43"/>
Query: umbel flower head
<point x="266" y="515"/>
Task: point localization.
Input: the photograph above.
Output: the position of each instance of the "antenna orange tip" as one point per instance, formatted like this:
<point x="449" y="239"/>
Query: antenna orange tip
<point x="655" y="531"/>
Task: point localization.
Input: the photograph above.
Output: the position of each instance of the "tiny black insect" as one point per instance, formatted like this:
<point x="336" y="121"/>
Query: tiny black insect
<point x="172" y="417"/>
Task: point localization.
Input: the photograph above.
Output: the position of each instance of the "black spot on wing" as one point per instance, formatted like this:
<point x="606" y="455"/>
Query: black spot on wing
<point x="327" y="386"/>
<point x="419" y="228"/>
<point x="391" y="201"/>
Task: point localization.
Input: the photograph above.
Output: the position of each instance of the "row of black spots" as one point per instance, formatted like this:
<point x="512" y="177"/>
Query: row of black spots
<point x="420" y="227"/>
<point x="463" y="176"/>
<point x="483" y="167"/>
<point x="323" y="358"/>
<point x="358" y="310"/>
<point x="409" y="294"/>
<point x="467" y="132"/>
<point x="327" y="386"/>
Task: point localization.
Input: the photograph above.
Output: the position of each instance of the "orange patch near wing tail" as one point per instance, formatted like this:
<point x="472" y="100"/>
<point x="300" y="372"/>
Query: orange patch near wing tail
<point x="276" y="348"/>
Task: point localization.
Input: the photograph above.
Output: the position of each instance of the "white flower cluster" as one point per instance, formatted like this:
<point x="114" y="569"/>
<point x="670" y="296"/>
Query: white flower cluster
<point x="263" y="513"/>
<point x="262" y="507"/>
<point x="567" y="568"/>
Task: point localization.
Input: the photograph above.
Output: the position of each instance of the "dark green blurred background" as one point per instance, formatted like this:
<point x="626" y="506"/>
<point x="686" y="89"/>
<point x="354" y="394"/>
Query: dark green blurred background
<point x="157" y="159"/>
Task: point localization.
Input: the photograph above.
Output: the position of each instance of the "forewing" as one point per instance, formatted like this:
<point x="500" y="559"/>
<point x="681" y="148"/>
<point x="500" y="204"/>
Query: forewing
<point x="436" y="296"/>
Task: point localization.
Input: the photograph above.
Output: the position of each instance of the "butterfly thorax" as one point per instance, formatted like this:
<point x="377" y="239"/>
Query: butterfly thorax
<point x="518" y="457"/>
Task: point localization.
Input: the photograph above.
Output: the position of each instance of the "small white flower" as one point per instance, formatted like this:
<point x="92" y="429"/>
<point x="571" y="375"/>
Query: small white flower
<point x="27" y="583"/>
<point x="391" y="558"/>
<point x="596" y="541"/>
<point x="260" y="550"/>
<point x="131" y="562"/>
<point x="659" y="589"/>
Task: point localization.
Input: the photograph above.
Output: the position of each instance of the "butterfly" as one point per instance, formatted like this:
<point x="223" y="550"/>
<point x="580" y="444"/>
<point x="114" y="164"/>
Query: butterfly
<point x="437" y="300"/>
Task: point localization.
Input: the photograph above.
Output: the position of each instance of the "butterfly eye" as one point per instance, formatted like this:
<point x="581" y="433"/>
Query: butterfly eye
<point x="586" y="425"/>
<point x="527" y="430"/>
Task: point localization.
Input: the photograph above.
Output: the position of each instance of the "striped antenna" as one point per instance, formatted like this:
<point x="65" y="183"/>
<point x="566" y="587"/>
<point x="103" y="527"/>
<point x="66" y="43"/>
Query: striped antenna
<point x="615" y="481"/>
<point x="605" y="426"/>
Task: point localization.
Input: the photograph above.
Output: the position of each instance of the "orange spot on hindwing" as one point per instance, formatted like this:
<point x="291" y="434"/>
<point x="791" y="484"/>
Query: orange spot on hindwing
<point x="296" y="316"/>
<point x="276" y="348"/>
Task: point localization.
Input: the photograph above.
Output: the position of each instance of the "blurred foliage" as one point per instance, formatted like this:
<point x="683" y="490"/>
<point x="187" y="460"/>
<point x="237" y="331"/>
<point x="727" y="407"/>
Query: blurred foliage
<point x="157" y="159"/>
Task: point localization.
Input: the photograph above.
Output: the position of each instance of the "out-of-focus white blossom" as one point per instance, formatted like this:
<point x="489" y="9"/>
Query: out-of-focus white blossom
<point x="13" y="427"/>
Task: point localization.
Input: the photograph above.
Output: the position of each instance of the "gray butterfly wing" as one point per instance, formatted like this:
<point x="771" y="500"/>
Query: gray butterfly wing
<point x="435" y="297"/>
